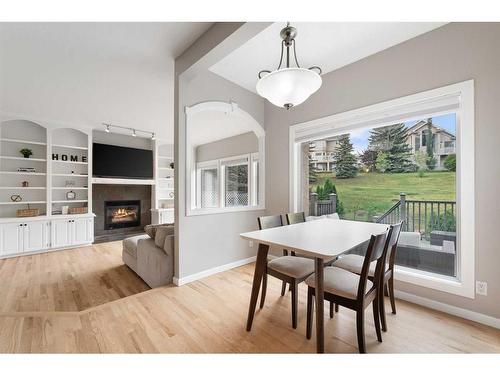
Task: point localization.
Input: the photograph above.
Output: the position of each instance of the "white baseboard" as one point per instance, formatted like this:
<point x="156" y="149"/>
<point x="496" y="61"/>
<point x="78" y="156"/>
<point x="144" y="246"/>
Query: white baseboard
<point x="449" y="309"/>
<point x="212" y="271"/>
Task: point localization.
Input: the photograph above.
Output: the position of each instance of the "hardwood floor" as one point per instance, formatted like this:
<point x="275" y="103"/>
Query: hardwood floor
<point x="205" y="316"/>
<point x="68" y="280"/>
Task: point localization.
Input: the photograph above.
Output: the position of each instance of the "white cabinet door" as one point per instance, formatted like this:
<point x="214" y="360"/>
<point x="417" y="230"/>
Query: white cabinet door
<point x="11" y="238"/>
<point x="61" y="233"/>
<point x="81" y="229"/>
<point x="36" y="235"/>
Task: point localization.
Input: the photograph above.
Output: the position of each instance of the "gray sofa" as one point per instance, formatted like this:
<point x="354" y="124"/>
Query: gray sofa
<point x="151" y="259"/>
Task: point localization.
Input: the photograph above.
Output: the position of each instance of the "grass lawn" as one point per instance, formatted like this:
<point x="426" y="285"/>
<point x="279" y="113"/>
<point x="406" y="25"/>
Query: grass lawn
<point x="375" y="193"/>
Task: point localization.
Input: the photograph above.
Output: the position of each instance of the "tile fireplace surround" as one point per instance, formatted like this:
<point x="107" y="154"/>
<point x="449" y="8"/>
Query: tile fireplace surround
<point x="103" y="192"/>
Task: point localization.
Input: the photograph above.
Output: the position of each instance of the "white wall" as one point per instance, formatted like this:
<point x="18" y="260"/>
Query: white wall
<point x="450" y="54"/>
<point x="233" y="146"/>
<point x="86" y="74"/>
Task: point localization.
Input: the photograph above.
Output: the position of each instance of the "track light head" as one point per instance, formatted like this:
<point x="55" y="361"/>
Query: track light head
<point x="153" y="137"/>
<point x="133" y="133"/>
<point x="107" y="130"/>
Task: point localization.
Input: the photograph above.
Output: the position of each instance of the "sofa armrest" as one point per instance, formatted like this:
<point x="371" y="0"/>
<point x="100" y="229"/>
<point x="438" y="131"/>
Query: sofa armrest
<point x="168" y="246"/>
<point x="154" y="266"/>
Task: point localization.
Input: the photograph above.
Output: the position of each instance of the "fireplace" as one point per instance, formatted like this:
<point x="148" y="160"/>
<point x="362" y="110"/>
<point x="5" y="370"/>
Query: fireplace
<point x="122" y="214"/>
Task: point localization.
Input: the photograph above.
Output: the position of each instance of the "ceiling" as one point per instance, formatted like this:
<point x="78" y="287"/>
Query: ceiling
<point x="327" y="45"/>
<point x="89" y="73"/>
<point x="210" y="126"/>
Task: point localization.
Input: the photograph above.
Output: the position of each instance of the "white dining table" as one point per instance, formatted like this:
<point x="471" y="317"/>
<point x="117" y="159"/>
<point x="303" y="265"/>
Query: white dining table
<point x="321" y="239"/>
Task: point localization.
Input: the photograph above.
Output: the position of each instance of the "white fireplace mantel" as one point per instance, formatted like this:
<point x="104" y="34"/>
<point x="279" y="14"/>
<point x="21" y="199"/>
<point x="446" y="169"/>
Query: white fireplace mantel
<point x="122" y="181"/>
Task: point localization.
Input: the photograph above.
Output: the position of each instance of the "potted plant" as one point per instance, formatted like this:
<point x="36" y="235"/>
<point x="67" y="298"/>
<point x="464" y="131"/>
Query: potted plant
<point x="26" y="152"/>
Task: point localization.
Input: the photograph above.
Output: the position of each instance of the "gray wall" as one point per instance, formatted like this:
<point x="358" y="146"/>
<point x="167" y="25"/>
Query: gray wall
<point x="225" y="148"/>
<point x="453" y="53"/>
<point x="209" y="241"/>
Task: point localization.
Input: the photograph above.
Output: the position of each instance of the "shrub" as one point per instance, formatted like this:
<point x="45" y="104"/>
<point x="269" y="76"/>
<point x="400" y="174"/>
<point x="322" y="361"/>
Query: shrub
<point x="450" y="163"/>
<point x="324" y="194"/>
<point x="445" y="222"/>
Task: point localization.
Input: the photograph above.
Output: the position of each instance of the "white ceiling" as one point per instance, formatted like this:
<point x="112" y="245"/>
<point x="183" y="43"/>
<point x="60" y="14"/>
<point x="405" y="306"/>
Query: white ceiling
<point x="210" y="126"/>
<point x="89" y="73"/>
<point x="327" y="45"/>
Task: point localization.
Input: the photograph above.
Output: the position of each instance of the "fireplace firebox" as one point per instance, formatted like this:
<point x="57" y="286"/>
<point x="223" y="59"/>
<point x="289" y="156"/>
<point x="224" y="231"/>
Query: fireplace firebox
<point x="122" y="214"/>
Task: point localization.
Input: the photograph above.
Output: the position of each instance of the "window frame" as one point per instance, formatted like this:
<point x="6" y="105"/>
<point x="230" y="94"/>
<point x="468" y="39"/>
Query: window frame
<point x="460" y="97"/>
<point x="191" y="190"/>
<point x="204" y="165"/>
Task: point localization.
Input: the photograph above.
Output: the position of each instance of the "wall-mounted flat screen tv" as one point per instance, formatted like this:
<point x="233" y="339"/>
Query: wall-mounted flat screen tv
<point x="121" y="162"/>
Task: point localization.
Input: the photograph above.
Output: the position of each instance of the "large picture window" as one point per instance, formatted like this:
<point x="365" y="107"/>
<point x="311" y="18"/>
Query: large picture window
<point x="410" y="159"/>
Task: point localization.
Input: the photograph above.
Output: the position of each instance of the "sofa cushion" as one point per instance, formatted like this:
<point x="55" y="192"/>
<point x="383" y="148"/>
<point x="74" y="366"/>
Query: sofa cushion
<point x="130" y="244"/>
<point x="161" y="233"/>
<point x="152" y="228"/>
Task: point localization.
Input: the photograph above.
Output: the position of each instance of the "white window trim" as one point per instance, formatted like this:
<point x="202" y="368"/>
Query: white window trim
<point x="212" y="164"/>
<point x="233" y="109"/>
<point x="231" y="162"/>
<point x="442" y="100"/>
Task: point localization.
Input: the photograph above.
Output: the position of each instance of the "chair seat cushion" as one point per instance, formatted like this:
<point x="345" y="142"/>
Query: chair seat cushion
<point x="339" y="282"/>
<point x="292" y="266"/>
<point x="354" y="263"/>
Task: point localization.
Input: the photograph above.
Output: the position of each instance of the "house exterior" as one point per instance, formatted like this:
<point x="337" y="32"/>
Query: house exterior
<point x="444" y="141"/>
<point x="321" y="151"/>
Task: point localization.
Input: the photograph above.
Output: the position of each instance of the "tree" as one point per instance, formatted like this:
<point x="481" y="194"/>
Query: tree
<point x="369" y="159"/>
<point x="421" y="162"/>
<point x="392" y="141"/>
<point x="450" y="163"/>
<point x="313" y="172"/>
<point x="344" y="158"/>
<point x="382" y="162"/>
<point x="429" y="141"/>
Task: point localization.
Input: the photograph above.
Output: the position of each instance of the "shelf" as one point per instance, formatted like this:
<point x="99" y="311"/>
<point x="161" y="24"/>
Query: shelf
<point x="69" y="188"/>
<point x="166" y="168"/>
<point x="24" y="173"/>
<point x="20" y="158"/>
<point x="24" y="202"/>
<point x="22" y="188"/>
<point x="166" y="199"/>
<point x="12" y="140"/>
<point x="69" y="175"/>
<point x="70" y="162"/>
<point x="71" y="147"/>
<point x="121" y="181"/>
<point x="71" y="201"/>
<point x="166" y="157"/>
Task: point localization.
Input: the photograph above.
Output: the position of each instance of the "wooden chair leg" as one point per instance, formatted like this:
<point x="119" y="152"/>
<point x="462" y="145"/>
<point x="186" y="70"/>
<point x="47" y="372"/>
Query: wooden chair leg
<point x="331" y="309"/>
<point x="391" y="294"/>
<point x="376" y="318"/>
<point x="310" y="301"/>
<point x="295" y="303"/>
<point x="283" y="288"/>
<point x="264" y="290"/>
<point x="336" y="307"/>
<point x="382" y="310"/>
<point x="360" y="326"/>
<point x="386" y="291"/>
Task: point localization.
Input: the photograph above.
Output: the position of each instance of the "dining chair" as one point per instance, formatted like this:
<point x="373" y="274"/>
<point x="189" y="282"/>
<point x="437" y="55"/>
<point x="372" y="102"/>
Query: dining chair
<point x="353" y="291"/>
<point x="295" y="217"/>
<point x="354" y="263"/>
<point x="287" y="268"/>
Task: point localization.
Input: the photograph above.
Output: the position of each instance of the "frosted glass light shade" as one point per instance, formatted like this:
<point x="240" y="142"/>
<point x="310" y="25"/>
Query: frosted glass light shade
<point x="289" y="87"/>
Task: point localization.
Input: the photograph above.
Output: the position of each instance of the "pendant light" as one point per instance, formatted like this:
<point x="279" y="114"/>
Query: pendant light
<point x="288" y="86"/>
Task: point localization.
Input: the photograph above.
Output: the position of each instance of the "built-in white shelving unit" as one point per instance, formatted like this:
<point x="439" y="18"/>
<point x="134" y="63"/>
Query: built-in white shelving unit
<point x="70" y="169"/>
<point x="16" y="182"/>
<point x="163" y="207"/>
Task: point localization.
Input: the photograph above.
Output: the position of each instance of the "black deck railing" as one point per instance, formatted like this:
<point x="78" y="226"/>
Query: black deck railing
<point x="421" y="215"/>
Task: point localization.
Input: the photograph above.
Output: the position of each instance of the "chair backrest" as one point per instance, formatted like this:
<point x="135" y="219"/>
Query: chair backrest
<point x="376" y="251"/>
<point x="266" y="222"/>
<point x="393" y="243"/>
<point x="294" y="218"/>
